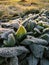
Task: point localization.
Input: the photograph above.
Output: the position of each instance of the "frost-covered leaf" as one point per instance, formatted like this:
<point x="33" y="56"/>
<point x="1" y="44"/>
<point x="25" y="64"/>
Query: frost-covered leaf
<point x="37" y="50"/>
<point x="37" y="30"/>
<point x="46" y="30"/>
<point x="32" y="60"/>
<point x="30" y="26"/>
<point x="44" y="62"/>
<point x="10" y="41"/>
<point x="33" y="40"/>
<point x="45" y="37"/>
<point x="40" y="27"/>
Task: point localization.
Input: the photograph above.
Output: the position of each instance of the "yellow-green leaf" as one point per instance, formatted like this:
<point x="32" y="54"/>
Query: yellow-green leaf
<point x="21" y="31"/>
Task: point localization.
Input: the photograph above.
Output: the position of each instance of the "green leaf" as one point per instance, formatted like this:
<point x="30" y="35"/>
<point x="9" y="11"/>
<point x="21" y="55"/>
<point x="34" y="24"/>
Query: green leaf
<point x="1" y="60"/>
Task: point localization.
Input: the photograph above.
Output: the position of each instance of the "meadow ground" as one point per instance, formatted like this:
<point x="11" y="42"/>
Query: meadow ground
<point x="12" y="7"/>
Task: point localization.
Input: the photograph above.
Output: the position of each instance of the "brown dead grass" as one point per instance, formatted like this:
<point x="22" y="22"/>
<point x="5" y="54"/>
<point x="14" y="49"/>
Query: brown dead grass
<point x="20" y="7"/>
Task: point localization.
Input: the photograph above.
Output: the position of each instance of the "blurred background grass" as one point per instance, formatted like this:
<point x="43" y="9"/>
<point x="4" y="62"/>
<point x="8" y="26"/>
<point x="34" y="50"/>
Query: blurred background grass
<point x="17" y="7"/>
